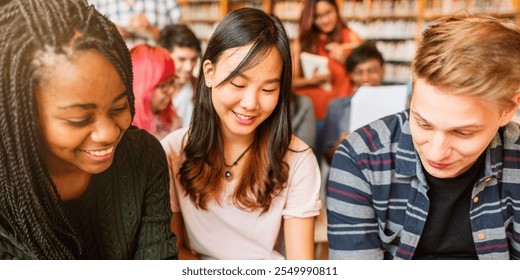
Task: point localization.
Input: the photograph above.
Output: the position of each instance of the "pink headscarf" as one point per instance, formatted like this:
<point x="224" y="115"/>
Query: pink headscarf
<point x="151" y="66"/>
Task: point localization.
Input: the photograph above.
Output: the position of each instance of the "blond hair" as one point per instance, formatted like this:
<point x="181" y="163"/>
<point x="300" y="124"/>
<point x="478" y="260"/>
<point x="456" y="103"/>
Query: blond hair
<point x="471" y="55"/>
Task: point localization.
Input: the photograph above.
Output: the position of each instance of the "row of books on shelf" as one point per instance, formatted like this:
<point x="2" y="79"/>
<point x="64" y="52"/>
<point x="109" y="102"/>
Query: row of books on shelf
<point x="374" y="8"/>
<point x="401" y="51"/>
<point x="397" y="73"/>
<point x="352" y="8"/>
<point x="201" y="11"/>
<point x="473" y="6"/>
<point x="203" y="30"/>
<point x="290" y="10"/>
<point x="384" y="29"/>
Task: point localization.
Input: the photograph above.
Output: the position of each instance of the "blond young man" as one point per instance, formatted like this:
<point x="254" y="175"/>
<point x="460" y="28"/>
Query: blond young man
<point x="440" y="180"/>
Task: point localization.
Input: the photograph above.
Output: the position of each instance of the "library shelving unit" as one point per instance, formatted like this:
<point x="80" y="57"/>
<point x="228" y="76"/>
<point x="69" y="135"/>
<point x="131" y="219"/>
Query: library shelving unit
<point x="396" y="24"/>
<point x="393" y="24"/>
<point x="202" y="16"/>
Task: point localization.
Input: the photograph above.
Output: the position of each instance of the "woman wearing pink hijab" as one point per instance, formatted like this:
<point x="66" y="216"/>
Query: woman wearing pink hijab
<point x="154" y="86"/>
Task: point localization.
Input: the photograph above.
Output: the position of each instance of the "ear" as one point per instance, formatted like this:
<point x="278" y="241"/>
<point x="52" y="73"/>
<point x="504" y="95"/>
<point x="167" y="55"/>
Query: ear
<point x="209" y="72"/>
<point x="509" y="113"/>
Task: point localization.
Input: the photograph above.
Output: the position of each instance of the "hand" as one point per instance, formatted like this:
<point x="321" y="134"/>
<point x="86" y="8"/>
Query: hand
<point x="139" y="23"/>
<point x="125" y="33"/>
<point x="141" y="27"/>
<point x="337" y="52"/>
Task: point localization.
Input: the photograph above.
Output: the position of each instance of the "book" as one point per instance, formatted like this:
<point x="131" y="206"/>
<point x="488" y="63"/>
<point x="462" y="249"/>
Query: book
<point x="371" y="103"/>
<point x="313" y="63"/>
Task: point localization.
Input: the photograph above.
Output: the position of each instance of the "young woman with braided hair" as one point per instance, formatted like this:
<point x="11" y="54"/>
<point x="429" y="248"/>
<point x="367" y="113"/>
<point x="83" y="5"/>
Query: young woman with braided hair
<point x="75" y="181"/>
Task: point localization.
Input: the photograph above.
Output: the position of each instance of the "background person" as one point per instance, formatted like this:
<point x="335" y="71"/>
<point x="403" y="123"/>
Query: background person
<point x="322" y="32"/>
<point x="184" y="48"/>
<point x="154" y="85"/>
<point x="366" y="67"/>
<point x="139" y="21"/>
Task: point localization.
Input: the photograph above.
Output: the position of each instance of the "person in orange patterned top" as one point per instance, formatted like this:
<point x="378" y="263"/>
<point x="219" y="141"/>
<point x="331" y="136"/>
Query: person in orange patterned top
<point x="322" y="32"/>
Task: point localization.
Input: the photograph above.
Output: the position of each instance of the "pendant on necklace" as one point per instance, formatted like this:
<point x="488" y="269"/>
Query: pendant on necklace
<point x="228" y="175"/>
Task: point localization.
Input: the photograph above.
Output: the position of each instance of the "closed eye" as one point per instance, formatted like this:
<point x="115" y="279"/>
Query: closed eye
<point x="463" y="133"/>
<point x="78" y="122"/>
<point x="424" y="125"/>
<point x="269" y="90"/>
<point x="236" y="85"/>
<point x="120" y="109"/>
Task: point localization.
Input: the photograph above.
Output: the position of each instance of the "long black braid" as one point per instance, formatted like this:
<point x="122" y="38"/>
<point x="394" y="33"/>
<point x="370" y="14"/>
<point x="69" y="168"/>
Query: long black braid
<point x="30" y="206"/>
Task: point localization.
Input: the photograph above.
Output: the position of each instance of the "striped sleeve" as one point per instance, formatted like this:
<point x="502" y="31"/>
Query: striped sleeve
<point x="352" y="224"/>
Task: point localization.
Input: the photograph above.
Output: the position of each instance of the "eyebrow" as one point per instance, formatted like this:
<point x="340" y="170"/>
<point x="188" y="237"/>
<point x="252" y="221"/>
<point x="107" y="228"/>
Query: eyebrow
<point x="471" y="126"/>
<point x="90" y="106"/>
<point x="269" y="81"/>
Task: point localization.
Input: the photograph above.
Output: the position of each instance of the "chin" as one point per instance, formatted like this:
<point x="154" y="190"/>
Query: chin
<point x="443" y="174"/>
<point x="98" y="168"/>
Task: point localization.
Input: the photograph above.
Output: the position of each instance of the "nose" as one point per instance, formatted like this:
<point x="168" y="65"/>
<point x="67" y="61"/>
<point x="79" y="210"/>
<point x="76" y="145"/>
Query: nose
<point x="187" y="66"/>
<point x="249" y="99"/>
<point x="365" y="77"/>
<point x="439" y="148"/>
<point x="105" y="131"/>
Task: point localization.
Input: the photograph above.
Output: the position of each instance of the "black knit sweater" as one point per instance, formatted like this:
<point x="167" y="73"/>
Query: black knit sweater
<point x="125" y="214"/>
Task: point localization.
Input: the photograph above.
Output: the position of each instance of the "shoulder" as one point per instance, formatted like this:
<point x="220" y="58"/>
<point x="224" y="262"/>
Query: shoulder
<point x="340" y="103"/>
<point x="298" y="151"/>
<point x="297" y="145"/>
<point x="174" y="142"/>
<point x="138" y="139"/>
<point x="304" y="101"/>
<point x="137" y="145"/>
<point x="350" y="36"/>
<point x="510" y="136"/>
<point x="381" y="134"/>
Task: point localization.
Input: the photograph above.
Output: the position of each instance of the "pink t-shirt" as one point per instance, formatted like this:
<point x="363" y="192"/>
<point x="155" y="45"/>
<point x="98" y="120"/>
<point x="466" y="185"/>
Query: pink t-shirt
<point x="227" y="232"/>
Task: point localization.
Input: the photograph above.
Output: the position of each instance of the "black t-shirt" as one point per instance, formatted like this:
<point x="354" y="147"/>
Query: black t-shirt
<point x="447" y="233"/>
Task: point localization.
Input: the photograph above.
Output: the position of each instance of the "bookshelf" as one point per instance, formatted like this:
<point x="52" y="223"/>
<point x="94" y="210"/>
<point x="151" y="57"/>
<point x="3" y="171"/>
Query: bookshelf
<point x="393" y="24"/>
<point x="396" y="24"/>
<point x="202" y="16"/>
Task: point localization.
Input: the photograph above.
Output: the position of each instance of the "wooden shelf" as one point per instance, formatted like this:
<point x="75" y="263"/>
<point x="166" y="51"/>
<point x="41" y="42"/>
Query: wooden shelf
<point x="381" y="17"/>
<point x="433" y="16"/>
<point x="405" y="18"/>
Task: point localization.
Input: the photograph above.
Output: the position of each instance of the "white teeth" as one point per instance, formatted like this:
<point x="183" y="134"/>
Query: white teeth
<point x="101" y="153"/>
<point x="243" y="117"/>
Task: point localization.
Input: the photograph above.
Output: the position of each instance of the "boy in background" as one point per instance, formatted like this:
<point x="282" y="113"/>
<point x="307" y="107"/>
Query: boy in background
<point x="365" y="68"/>
<point x="185" y="50"/>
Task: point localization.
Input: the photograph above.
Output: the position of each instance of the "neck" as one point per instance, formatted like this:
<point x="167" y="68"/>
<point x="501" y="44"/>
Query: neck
<point x="72" y="186"/>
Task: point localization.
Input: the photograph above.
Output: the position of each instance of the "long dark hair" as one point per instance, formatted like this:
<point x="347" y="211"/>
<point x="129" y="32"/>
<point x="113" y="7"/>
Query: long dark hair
<point x="308" y="32"/>
<point x="30" y="206"/>
<point x="201" y="172"/>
